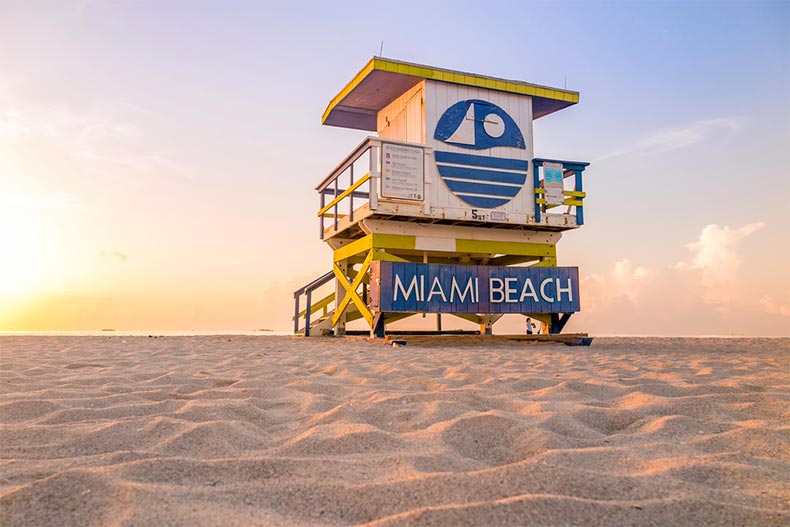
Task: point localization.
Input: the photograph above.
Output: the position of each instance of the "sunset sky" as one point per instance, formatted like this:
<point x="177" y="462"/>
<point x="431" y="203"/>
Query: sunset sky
<point x="158" y="160"/>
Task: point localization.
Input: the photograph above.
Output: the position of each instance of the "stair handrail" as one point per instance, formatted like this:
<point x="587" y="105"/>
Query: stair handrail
<point x="307" y="290"/>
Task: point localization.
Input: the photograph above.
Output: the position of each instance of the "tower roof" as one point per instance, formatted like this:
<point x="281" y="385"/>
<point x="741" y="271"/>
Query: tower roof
<point x="382" y="80"/>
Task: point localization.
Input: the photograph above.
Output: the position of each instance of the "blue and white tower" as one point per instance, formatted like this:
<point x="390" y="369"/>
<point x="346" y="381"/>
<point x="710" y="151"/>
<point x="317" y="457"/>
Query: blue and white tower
<point x="448" y="191"/>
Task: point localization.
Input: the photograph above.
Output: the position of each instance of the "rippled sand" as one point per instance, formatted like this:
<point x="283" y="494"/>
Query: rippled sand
<point x="279" y="431"/>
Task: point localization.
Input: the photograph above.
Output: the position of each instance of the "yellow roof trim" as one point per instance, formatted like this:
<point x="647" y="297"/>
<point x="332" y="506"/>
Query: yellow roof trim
<point x="350" y="86"/>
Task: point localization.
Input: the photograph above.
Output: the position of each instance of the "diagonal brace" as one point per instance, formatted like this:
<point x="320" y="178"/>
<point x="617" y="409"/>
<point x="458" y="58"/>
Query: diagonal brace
<point x="351" y="291"/>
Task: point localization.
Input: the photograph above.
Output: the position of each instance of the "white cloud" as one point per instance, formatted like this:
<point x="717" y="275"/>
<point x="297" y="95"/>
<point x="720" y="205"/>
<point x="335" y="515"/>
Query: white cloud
<point x="717" y="257"/>
<point x="624" y="282"/>
<point x="674" y="138"/>
<point x="115" y="255"/>
<point x="709" y="294"/>
<point x="773" y="306"/>
<point x="99" y="139"/>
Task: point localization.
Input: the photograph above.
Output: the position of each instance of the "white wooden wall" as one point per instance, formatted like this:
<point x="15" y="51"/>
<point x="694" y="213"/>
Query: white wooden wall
<point x="438" y="97"/>
<point x="413" y="117"/>
<point x="404" y="118"/>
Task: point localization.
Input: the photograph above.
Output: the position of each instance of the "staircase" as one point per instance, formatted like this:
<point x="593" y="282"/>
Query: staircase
<point x="304" y="322"/>
<point x="323" y="324"/>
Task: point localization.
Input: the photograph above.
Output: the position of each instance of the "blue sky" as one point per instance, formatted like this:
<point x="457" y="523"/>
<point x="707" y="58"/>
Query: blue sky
<point x="186" y="136"/>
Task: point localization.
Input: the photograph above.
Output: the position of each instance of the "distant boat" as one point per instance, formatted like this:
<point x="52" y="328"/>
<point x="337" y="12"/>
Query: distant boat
<point x="480" y="180"/>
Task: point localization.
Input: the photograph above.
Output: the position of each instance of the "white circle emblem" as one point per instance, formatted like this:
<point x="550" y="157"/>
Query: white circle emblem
<point x="494" y="125"/>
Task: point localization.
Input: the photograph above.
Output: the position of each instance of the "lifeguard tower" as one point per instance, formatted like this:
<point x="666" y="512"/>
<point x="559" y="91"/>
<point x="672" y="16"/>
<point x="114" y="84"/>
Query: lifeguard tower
<point x="446" y="209"/>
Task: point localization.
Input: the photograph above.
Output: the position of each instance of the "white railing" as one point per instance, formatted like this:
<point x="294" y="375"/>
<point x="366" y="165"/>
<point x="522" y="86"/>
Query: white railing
<point x="349" y="191"/>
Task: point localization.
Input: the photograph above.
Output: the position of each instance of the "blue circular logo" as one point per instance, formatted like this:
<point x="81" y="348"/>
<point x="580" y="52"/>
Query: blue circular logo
<point x="480" y="181"/>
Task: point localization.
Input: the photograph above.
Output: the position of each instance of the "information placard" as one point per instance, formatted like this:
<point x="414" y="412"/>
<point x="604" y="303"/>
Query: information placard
<point x="402" y="172"/>
<point x="552" y="183"/>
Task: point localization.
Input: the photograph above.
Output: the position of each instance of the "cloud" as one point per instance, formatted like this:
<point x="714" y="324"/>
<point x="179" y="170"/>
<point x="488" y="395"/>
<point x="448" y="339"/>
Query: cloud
<point x="717" y="257"/>
<point x="99" y="139"/>
<point x="675" y="138"/>
<point x="115" y="255"/>
<point x="773" y="306"/>
<point x="708" y="294"/>
<point x="623" y="284"/>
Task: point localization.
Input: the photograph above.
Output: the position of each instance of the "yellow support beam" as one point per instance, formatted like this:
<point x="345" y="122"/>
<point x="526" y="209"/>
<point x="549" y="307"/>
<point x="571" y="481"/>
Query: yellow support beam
<point x="379" y="242"/>
<point x="510" y="248"/>
<point x="352" y="249"/>
<point x="542" y="317"/>
<point x="550" y="261"/>
<point x="469" y="316"/>
<point x="394" y="241"/>
<point x="383" y="256"/>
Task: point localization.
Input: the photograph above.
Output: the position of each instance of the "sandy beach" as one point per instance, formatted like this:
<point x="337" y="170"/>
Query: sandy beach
<point x="256" y="430"/>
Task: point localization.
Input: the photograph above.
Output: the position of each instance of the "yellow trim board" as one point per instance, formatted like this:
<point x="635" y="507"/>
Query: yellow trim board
<point x="420" y="71"/>
<point x="466" y="79"/>
<point x="350" y="86"/>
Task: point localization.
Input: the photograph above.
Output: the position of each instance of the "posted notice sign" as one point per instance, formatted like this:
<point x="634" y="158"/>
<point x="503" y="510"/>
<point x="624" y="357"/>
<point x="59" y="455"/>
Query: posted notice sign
<point x="402" y="172"/>
<point x="552" y="183"/>
<point x="405" y="287"/>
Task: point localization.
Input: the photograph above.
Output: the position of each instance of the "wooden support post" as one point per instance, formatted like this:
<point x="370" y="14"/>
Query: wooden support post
<point x="340" y="293"/>
<point x="579" y="188"/>
<point x="377" y="328"/>
<point x="309" y="296"/>
<point x="558" y="321"/>
<point x="487" y="323"/>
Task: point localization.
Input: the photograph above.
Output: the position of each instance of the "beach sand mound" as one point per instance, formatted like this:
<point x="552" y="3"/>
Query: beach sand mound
<point x="251" y="430"/>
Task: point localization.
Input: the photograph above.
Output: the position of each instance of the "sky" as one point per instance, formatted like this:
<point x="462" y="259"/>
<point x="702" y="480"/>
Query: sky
<point x="158" y="159"/>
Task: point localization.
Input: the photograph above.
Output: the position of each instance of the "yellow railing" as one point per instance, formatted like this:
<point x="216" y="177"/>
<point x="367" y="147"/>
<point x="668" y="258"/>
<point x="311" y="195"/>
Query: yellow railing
<point x="567" y="201"/>
<point x="343" y="195"/>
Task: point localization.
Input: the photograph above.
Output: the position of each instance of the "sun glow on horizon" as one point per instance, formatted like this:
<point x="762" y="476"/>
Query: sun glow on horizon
<point x="29" y="261"/>
<point x="152" y="178"/>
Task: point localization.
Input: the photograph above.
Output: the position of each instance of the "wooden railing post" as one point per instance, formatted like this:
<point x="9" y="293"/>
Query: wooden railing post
<point x="340" y="294"/>
<point x="351" y="196"/>
<point x="296" y="312"/>
<point x="536" y="181"/>
<point x="308" y="294"/>
<point x="321" y="222"/>
<point x="335" y="209"/>
<point x="579" y="208"/>
<point x="373" y="187"/>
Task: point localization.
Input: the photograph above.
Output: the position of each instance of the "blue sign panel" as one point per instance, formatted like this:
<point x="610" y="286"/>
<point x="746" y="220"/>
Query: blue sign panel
<point x="404" y="287"/>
